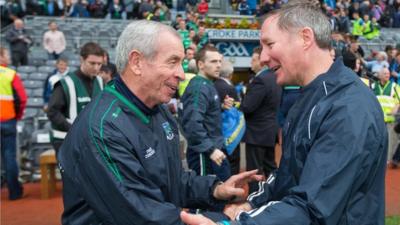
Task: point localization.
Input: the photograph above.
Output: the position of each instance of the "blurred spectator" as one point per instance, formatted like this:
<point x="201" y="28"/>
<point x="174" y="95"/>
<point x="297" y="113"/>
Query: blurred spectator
<point x="176" y="22"/>
<point x="109" y="64"/>
<point x="10" y="11"/>
<point x="19" y="43"/>
<point x="61" y="70"/>
<point x="165" y="14"/>
<point x="266" y="6"/>
<point x="145" y="8"/>
<point x="116" y="10"/>
<point x="252" y="6"/>
<point x="244" y="8"/>
<point x="191" y="5"/>
<point x="338" y="43"/>
<point x="375" y="66"/>
<point x="354" y="8"/>
<point x="395" y="68"/>
<point x="79" y="9"/>
<point x="189" y="55"/>
<point x="376" y="11"/>
<point x="12" y="106"/>
<point x="388" y="94"/>
<point x="202" y="8"/>
<point x="333" y="20"/>
<point x="191" y="21"/>
<point x="68" y="8"/>
<point x="51" y="8"/>
<point x="155" y="15"/>
<point x="202" y="36"/>
<point x="106" y="74"/>
<point x="96" y="9"/>
<point x="343" y="21"/>
<point x="54" y="41"/>
<point x="358" y="25"/>
<point x="396" y="18"/>
<point x="225" y="87"/>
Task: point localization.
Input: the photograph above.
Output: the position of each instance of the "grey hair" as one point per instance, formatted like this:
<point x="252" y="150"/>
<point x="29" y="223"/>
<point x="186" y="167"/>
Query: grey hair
<point x="140" y="35"/>
<point x="298" y="14"/>
<point x="192" y="66"/>
<point x="226" y="69"/>
<point x="383" y="54"/>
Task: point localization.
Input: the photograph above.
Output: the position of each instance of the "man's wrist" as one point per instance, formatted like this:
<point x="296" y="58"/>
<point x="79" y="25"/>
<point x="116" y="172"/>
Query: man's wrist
<point x="214" y="189"/>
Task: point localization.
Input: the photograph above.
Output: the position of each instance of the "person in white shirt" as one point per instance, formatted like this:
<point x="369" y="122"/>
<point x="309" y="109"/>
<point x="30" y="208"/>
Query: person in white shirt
<point x="54" y="41"/>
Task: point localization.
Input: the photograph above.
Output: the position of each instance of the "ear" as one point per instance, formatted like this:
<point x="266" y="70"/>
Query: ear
<point x="308" y="37"/>
<point x="134" y="62"/>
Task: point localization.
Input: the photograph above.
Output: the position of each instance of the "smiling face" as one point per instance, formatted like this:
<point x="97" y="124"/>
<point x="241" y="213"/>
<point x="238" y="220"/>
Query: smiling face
<point x="281" y="52"/>
<point x="160" y="75"/>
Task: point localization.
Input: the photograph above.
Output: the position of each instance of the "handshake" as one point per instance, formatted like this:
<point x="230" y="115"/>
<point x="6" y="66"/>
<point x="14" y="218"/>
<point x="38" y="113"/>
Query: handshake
<point x="231" y="189"/>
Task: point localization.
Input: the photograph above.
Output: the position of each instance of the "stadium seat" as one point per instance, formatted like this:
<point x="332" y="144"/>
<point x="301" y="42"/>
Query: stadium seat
<point x="51" y="63"/>
<point x="35" y="102"/>
<point x="46" y="69"/>
<point x="26" y="69"/>
<point x="38" y="76"/>
<point x="32" y="84"/>
<point x="23" y="76"/>
<point x="38" y="92"/>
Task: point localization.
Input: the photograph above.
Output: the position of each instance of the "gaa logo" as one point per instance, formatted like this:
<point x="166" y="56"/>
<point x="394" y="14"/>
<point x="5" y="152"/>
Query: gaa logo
<point x="232" y="49"/>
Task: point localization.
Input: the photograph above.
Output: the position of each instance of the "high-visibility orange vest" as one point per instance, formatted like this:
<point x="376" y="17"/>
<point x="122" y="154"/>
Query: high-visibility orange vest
<point x="7" y="110"/>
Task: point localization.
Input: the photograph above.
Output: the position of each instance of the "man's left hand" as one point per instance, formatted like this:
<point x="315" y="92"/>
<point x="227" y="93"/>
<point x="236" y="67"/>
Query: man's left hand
<point x="233" y="187"/>
<point x="192" y="219"/>
<point x="228" y="102"/>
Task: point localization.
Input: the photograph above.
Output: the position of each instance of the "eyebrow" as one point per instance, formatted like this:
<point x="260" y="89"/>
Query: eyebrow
<point x="174" y="57"/>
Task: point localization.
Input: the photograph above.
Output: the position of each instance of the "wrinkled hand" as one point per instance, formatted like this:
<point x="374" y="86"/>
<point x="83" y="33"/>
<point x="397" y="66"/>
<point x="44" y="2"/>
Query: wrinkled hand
<point x="217" y="156"/>
<point x="192" y="219"/>
<point x="233" y="187"/>
<point x="228" y="102"/>
<point x="232" y="211"/>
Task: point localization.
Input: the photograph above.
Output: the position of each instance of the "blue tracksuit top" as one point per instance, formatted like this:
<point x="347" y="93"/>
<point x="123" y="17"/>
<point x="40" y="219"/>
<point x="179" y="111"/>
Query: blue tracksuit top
<point x="332" y="171"/>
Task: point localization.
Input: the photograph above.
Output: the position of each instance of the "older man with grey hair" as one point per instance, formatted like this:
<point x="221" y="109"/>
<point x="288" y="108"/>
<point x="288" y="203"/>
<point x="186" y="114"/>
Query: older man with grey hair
<point x="120" y="161"/>
<point x="224" y="87"/>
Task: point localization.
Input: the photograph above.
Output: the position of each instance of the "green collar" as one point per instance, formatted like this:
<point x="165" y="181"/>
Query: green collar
<point x="203" y="77"/>
<point x="111" y="89"/>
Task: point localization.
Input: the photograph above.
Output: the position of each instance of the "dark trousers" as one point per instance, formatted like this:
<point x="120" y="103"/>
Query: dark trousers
<point x="19" y="59"/>
<point x="261" y="158"/>
<point x="8" y="131"/>
<point x="234" y="161"/>
<point x="396" y="156"/>
<point x="203" y="165"/>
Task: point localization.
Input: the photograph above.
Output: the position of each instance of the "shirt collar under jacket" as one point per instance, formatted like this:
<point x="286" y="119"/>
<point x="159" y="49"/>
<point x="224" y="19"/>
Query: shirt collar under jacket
<point x="121" y="87"/>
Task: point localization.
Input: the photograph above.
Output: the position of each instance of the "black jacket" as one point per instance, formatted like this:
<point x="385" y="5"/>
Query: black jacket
<point x="260" y="106"/>
<point x="224" y="89"/>
<point x="16" y="43"/>
<point x="122" y="166"/>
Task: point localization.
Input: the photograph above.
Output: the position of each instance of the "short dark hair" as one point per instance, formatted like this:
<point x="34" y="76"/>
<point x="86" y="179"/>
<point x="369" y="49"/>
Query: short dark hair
<point x="62" y="60"/>
<point x="91" y="48"/>
<point x="201" y="54"/>
<point x="257" y="50"/>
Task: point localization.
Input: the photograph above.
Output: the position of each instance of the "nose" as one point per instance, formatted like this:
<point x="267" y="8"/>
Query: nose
<point x="180" y="73"/>
<point x="264" y="57"/>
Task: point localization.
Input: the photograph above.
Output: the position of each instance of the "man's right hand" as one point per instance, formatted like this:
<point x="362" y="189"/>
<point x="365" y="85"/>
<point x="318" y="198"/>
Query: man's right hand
<point x="232" y="211"/>
<point x="217" y="156"/>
